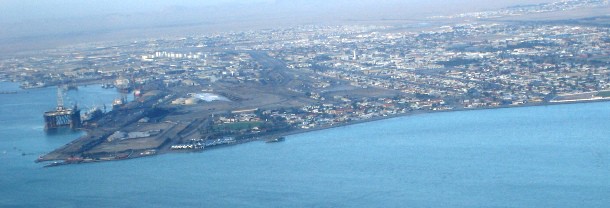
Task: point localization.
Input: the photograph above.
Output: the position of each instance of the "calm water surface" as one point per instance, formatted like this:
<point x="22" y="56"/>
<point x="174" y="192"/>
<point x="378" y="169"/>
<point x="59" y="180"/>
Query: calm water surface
<point x="554" y="156"/>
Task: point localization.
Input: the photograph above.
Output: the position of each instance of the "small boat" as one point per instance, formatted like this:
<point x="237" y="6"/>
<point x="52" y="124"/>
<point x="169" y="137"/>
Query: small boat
<point x="107" y="85"/>
<point x="54" y="164"/>
<point x="278" y="139"/>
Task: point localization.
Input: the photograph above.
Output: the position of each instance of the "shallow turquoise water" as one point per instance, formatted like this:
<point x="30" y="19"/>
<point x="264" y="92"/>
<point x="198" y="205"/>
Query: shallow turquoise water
<point x="553" y="156"/>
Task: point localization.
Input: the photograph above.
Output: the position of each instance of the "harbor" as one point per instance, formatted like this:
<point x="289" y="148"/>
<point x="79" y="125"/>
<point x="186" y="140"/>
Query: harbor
<point x="452" y="157"/>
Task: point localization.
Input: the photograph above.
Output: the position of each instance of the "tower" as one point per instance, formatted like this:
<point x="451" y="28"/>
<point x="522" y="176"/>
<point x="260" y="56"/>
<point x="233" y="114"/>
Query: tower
<point x="60" y="99"/>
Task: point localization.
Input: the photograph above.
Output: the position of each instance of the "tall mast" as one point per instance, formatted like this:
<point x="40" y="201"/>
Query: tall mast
<point x="60" y="99"/>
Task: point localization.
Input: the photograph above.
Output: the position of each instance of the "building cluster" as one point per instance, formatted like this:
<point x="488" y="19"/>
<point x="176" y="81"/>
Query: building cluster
<point x="136" y="62"/>
<point x="468" y="65"/>
<point x="476" y="65"/>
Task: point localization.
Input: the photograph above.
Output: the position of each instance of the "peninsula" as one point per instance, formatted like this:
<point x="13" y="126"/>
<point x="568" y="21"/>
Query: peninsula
<point x="200" y="92"/>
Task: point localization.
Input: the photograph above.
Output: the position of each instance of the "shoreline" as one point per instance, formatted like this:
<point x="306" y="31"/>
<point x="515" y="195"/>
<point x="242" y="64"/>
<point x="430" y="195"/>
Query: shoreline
<point x="267" y="137"/>
<point x="416" y="113"/>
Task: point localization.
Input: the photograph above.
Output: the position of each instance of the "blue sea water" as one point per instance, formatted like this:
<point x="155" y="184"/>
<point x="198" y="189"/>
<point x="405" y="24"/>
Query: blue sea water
<point x="548" y="156"/>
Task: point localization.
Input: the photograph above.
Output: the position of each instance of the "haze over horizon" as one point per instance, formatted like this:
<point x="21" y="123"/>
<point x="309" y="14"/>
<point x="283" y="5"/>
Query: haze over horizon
<point x="30" y="22"/>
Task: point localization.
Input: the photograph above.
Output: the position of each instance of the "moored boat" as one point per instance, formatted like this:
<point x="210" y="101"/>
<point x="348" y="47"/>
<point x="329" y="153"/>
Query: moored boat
<point x="278" y="139"/>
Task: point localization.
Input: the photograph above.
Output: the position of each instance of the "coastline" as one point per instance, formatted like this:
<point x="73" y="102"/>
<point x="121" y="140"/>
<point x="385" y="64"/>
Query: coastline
<point x="415" y="113"/>
<point x="270" y="136"/>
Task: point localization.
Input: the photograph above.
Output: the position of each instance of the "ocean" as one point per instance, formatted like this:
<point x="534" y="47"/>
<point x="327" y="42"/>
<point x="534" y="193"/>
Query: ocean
<point x="545" y="156"/>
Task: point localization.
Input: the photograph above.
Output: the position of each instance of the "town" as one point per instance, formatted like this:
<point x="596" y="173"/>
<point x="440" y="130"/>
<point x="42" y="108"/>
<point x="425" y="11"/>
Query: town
<point x="211" y="90"/>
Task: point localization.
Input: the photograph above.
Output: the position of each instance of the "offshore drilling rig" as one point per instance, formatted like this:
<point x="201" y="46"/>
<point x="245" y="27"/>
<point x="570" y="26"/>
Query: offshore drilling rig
<point x="61" y="116"/>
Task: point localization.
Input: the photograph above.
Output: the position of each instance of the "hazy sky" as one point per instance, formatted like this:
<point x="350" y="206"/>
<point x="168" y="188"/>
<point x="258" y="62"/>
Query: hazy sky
<point x="35" y="20"/>
<point x="12" y="10"/>
<point x="21" y="10"/>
